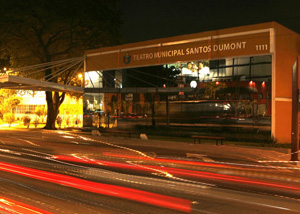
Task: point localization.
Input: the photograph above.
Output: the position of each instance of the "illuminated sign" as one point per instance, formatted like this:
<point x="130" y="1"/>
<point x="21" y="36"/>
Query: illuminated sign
<point x="192" y="49"/>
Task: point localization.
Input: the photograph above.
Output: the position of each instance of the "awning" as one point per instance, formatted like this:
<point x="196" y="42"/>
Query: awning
<point x="23" y="83"/>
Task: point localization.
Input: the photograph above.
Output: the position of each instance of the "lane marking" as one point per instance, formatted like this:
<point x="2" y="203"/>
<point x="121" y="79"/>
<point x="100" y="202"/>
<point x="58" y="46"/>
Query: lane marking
<point x="200" y="156"/>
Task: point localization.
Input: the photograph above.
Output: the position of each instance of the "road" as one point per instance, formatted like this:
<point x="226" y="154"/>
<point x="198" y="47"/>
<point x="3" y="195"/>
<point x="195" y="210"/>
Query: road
<point x="75" y="172"/>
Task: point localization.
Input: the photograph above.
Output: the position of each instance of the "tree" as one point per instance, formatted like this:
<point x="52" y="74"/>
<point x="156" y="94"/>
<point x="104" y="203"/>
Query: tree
<point x="212" y="87"/>
<point x="26" y="121"/>
<point x="8" y="101"/>
<point x="42" y="31"/>
<point x="9" y="118"/>
<point x="40" y="111"/>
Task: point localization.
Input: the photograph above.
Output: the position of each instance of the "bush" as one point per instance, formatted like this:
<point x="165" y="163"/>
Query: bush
<point x="9" y="118"/>
<point x="36" y="121"/>
<point x="26" y="121"/>
<point x="59" y="121"/>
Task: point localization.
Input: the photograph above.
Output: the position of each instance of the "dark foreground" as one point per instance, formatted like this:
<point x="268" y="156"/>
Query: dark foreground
<point x="73" y="172"/>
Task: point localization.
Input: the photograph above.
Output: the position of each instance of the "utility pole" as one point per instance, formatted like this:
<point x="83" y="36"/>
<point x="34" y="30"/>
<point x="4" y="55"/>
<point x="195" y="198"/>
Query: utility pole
<point x="295" y="113"/>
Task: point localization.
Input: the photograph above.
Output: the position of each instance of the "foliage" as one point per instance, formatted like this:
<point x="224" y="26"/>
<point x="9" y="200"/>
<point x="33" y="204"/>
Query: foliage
<point x="212" y="87"/>
<point x="59" y="121"/>
<point x="41" y="31"/>
<point x="26" y="92"/>
<point x="35" y="31"/>
<point x="8" y="100"/>
<point x="36" y="121"/>
<point x="26" y="121"/>
<point x="71" y="109"/>
<point x="4" y="60"/>
<point x="41" y="112"/>
<point x="9" y="118"/>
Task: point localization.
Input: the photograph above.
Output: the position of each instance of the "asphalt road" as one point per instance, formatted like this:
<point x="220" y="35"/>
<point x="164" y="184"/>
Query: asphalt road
<point x="75" y="172"/>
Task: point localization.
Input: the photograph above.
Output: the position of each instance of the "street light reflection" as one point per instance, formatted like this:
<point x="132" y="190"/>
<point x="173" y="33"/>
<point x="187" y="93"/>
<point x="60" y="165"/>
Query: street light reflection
<point x="11" y="206"/>
<point x="67" y="136"/>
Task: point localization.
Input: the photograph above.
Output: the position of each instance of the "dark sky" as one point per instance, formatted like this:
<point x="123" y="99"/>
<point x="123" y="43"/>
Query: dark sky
<point x="152" y="19"/>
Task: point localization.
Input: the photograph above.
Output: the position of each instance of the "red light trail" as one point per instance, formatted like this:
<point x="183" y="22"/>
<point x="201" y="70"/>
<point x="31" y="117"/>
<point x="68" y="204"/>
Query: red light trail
<point x="155" y="199"/>
<point x="175" y="171"/>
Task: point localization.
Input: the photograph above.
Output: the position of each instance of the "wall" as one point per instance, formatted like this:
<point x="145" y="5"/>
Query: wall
<point x="287" y="50"/>
<point x="282" y="43"/>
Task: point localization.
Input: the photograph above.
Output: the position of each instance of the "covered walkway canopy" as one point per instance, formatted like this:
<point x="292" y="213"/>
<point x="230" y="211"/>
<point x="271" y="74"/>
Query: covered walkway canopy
<point x="23" y="83"/>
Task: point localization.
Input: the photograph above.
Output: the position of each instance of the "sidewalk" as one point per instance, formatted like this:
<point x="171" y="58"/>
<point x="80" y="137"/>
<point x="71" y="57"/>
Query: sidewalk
<point x="259" y="155"/>
<point x="247" y="153"/>
<point x="239" y="160"/>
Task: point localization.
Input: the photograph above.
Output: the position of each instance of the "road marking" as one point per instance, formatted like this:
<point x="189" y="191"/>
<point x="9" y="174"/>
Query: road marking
<point x="27" y="141"/>
<point x="202" y="157"/>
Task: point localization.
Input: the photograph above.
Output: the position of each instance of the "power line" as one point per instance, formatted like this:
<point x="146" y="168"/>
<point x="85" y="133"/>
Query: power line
<point x="52" y="76"/>
<point x="41" y="65"/>
<point x="102" y="76"/>
<point x="68" y="82"/>
<point x="49" y="67"/>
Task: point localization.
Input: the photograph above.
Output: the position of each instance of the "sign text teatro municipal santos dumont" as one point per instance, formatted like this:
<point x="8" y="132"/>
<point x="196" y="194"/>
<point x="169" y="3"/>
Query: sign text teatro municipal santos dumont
<point x="205" y="49"/>
<point x="187" y="49"/>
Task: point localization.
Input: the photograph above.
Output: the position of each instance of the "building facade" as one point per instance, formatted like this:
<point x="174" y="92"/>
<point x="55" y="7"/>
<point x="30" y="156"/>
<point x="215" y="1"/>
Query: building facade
<point x="238" y="77"/>
<point x="70" y="111"/>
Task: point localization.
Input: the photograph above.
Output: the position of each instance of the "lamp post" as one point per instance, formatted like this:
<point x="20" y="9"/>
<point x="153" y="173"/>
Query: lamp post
<point x="80" y="76"/>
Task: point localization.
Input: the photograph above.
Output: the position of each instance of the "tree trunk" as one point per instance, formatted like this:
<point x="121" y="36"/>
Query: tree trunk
<point x="53" y="104"/>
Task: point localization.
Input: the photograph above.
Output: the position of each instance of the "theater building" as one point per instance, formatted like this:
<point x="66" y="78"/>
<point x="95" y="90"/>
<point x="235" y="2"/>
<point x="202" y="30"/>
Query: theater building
<point x="235" y="77"/>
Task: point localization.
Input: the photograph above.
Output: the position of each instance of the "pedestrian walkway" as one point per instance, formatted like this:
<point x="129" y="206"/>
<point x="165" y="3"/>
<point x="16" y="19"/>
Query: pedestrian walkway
<point x="247" y="153"/>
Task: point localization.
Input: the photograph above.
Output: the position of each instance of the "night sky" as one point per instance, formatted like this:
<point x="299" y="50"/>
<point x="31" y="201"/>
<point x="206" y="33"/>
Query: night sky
<point x="152" y="19"/>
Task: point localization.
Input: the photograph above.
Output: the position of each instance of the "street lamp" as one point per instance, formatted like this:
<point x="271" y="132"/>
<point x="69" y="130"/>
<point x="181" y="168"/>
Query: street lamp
<point x="193" y="84"/>
<point x="80" y="76"/>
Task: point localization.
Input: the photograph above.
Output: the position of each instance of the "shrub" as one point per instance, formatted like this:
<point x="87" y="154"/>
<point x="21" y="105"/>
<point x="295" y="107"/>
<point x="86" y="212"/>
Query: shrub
<point x="26" y="121"/>
<point x="9" y="118"/>
<point x="59" y="121"/>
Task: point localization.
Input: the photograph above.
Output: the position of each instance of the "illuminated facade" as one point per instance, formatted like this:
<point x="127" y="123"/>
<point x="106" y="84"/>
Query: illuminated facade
<point x="237" y="77"/>
<point x="70" y="111"/>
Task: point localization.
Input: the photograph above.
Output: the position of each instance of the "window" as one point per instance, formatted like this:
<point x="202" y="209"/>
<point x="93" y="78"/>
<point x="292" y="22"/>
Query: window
<point x="23" y="109"/>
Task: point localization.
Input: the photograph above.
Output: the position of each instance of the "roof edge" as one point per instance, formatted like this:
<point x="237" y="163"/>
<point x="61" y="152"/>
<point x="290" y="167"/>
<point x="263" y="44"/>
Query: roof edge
<point x="191" y="36"/>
